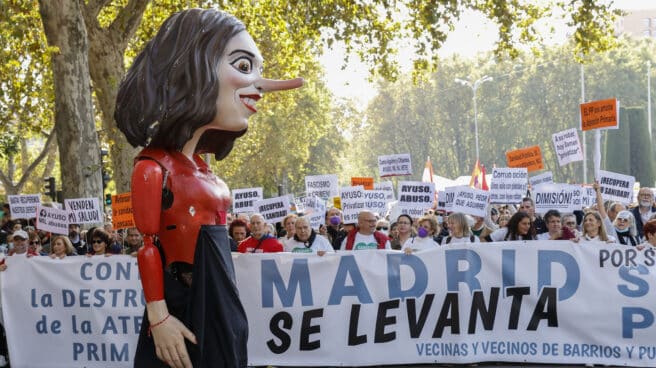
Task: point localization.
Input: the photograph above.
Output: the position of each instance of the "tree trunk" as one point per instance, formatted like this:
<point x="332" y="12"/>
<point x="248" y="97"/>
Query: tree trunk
<point x="79" y="150"/>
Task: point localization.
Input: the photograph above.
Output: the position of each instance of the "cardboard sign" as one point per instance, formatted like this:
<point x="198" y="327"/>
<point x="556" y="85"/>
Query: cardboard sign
<point x="394" y="165"/>
<point x="366" y="182"/>
<point x="243" y="200"/>
<point x="565" y="198"/>
<point x="416" y="194"/>
<point x="388" y="188"/>
<point x="529" y="157"/>
<point x="375" y="201"/>
<point x="544" y="178"/>
<point x="53" y="220"/>
<point x="601" y="114"/>
<point x="84" y="211"/>
<point x="24" y="205"/>
<point x="322" y="186"/>
<point x="273" y="209"/>
<point x="352" y="203"/>
<point x="122" y="217"/>
<point x="508" y="185"/>
<point x="568" y="146"/>
<point x="471" y="201"/>
<point x="616" y="187"/>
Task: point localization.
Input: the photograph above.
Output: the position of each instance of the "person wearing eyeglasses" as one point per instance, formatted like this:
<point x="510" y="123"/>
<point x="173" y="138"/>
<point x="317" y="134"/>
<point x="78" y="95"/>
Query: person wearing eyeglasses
<point x="625" y="229"/>
<point x="404" y="231"/>
<point x="645" y="210"/>
<point x="365" y="235"/>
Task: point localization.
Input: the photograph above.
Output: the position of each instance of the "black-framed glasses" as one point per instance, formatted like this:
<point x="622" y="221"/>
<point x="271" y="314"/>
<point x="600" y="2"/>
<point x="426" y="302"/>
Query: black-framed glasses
<point x="97" y="241"/>
<point x="34" y="242"/>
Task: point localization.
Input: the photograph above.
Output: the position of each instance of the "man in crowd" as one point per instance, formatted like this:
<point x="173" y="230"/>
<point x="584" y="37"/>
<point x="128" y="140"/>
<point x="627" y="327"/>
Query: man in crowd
<point x="365" y="236"/>
<point x="645" y="209"/>
<point x="74" y="236"/>
<point x="613" y="209"/>
<point x="260" y="240"/>
<point x="528" y="207"/>
<point x="134" y="241"/>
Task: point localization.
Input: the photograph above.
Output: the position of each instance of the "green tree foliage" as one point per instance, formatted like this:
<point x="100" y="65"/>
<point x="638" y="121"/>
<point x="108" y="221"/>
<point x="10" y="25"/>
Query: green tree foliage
<point x="618" y="145"/>
<point x="641" y="149"/>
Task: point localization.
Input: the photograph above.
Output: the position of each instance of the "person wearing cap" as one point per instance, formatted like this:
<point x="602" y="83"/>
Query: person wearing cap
<point x="20" y="244"/>
<point x="625" y="229"/>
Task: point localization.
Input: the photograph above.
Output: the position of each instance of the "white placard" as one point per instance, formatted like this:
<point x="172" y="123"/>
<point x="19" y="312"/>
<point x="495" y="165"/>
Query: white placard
<point x="53" y="220"/>
<point x="441" y="201"/>
<point x="84" y="211"/>
<point x="352" y="203"/>
<point x="315" y="211"/>
<point x="413" y="212"/>
<point x="450" y="196"/>
<point x="24" y="205"/>
<point x="387" y="187"/>
<point x="566" y="198"/>
<point x="243" y="200"/>
<point x="416" y="194"/>
<point x="508" y="185"/>
<point x="568" y="146"/>
<point x="616" y="187"/>
<point x="322" y="186"/>
<point x="471" y="201"/>
<point x="588" y="196"/>
<point x="544" y="178"/>
<point x="394" y="165"/>
<point x="273" y="209"/>
<point x="375" y="201"/>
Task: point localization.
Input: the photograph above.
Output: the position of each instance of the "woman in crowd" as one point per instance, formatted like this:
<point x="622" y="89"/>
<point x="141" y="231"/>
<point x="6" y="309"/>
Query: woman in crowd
<point x="459" y="230"/>
<point x="61" y="247"/>
<point x="428" y="227"/>
<point x="555" y="228"/>
<point x="519" y="228"/>
<point x="650" y="235"/>
<point x="100" y="241"/>
<point x="34" y="244"/>
<point x="405" y="231"/>
<point x="594" y="229"/>
<point x="289" y="224"/>
<point x="625" y="229"/>
<point x="503" y="219"/>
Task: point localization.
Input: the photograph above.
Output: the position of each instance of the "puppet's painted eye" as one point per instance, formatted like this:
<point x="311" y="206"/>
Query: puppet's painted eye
<point x="243" y="64"/>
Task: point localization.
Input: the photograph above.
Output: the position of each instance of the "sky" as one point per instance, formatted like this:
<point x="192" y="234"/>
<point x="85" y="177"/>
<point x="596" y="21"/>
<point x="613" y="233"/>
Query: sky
<point x="472" y="35"/>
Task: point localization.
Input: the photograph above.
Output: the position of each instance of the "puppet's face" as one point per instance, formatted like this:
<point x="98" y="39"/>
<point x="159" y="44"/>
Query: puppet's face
<point x="239" y="70"/>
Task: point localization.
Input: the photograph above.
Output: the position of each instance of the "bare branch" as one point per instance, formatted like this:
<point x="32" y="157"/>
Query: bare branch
<point x="93" y="7"/>
<point x="127" y="21"/>
<point x="37" y="160"/>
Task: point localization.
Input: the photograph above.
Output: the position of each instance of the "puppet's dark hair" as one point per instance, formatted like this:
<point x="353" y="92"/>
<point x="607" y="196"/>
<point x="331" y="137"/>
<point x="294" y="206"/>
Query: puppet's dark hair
<point x="172" y="87"/>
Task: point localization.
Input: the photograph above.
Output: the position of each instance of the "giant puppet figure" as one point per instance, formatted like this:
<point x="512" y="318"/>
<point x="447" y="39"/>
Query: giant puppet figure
<point x="190" y="91"/>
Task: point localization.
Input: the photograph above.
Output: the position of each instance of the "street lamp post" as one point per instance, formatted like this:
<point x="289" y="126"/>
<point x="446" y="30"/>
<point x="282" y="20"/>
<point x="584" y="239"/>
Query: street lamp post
<point x="474" y="87"/>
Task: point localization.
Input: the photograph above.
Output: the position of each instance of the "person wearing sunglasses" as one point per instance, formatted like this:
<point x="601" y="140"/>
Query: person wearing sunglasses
<point x="34" y="247"/>
<point x="623" y="228"/>
<point x="100" y="240"/>
<point x="383" y="226"/>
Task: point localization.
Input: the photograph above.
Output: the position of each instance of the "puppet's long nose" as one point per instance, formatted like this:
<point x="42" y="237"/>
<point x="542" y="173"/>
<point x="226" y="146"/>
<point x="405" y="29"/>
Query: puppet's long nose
<point x="272" y="85"/>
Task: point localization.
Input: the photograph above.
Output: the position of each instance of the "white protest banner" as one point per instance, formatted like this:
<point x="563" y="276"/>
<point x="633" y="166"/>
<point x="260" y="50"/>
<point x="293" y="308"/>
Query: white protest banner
<point x="374" y="201"/>
<point x="322" y="186"/>
<point x="24" y="205"/>
<point x="450" y="196"/>
<point x="588" y="196"/>
<point x="508" y="185"/>
<point x="352" y="203"/>
<point x="72" y="312"/>
<point x="397" y="211"/>
<point x="53" y="220"/>
<point x="315" y="211"/>
<point x="416" y="194"/>
<point x="544" y="178"/>
<point x="462" y="304"/>
<point x="273" y="209"/>
<point x="566" y="198"/>
<point x="616" y="187"/>
<point x="243" y="200"/>
<point x="387" y="187"/>
<point x="394" y="165"/>
<point x="84" y="211"/>
<point x="471" y="201"/>
<point x="441" y="201"/>
<point x="568" y="146"/>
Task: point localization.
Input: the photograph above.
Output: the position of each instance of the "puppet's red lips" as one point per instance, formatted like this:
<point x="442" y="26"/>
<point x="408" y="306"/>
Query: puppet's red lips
<point x="249" y="101"/>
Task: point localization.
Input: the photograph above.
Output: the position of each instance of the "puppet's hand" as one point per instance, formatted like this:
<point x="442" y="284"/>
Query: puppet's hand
<point x="168" y="335"/>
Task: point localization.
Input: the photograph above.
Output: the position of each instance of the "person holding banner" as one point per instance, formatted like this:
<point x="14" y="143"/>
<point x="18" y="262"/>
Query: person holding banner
<point x="594" y="229"/>
<point x="189" y="92"/>
<point x="650" y="235"/>
<point x="519" y="227"/>
<point x="459" y="230"/>
<point x="428" y="227"/>
<point x="556" y="230"/>
<point x="334" y="229"/>
<point x="61" y="247"/>
<point x="365" y="235"/>
<point x="404" y="231"/>
<point x="306" y="240"/>
<point x="260" y="240"/>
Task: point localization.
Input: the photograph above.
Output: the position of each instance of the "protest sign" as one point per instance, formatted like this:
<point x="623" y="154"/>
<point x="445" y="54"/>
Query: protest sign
<point x="588" y="196"/>
<point x="84" y="211"/>
<point x="601" y="114"/>
<point x="243" y="200"/>
<point x="394" y="165"/>
<point x="450" y="196"/>
<point x="273" y="209"/>
<point x="396" y="210"/>
<point x="24" y="205"/>
<point x="374" y="201"/>
<point x="322" y="186"/>
<point x="616" y="187"/>
<point x="529" y="157"/>
<point x="315" y="211"/>
<point x="53" y="219"/>
<point x="122" y="217"/>
<point x="352" y="199"/>
<point x="366" y="182"/>
<point x="565" y="198"/>
<point x="416" y="194"/>
<point x="508" y="185"/>
<point x="441" y="201"/>
<point x="471" y="201"/>
<point x="568" y="147"/>
<point x="544" y="178"/>
<point x="387" y="187"/>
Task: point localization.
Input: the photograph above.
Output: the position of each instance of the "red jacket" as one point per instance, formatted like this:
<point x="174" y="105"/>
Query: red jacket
<point x="266" y="244"/>
<point x="381" y="239"/>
